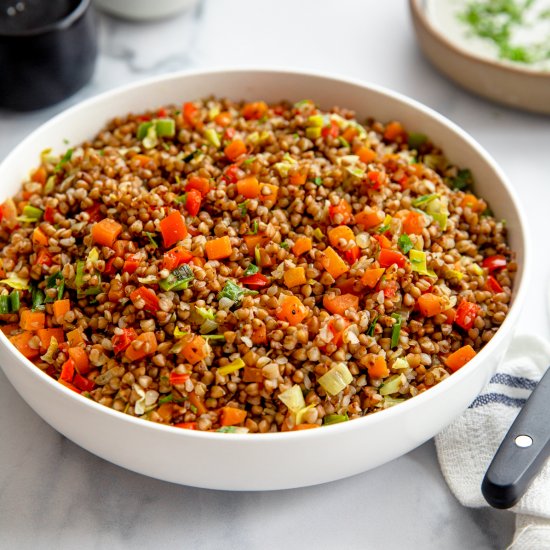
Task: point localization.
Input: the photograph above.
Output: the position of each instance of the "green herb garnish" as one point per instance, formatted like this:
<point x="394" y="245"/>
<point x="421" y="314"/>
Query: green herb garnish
<point x="415" y="140"/>
<point x="396" y="329"/>
<point x="372" y="326"/>
<point x="404" y="242"/>
<point x="251" y="270"/>
<point x="64" y="159"/>
<point x="243" y="207"/>
<point x="462" y="181"/>
<point x="151" y="238"/>
<point x="179" y="279"/>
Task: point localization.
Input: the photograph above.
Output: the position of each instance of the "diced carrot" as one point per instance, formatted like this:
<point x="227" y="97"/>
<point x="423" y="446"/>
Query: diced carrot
<point x="349" y="133"/>
<point x="75" y="337"/>
<point x="272" y="195"/>
<point x="223" y="119"/>
<point x="32" y="320"/>
<point x="173" y="229"/>
<point x="202" y="185"/>
<point x="148" y="346"/>
<point x="342" y="232"/>
<point x="255" y="110"/>
<point x="372" y="276"/>
<point x="39" y="175"/>
<point x="67" y="371"/>
<point x="292" y="310"/>
<point x="178" y="378"/>
<point x="259" y="335"/>
<point x="195" y="350"/>
<point x="252" y="374"/>
<point x="340" y="304"/>
<point x="301" y="246"/>
<point x="369" y="218"/>
<point x="471" y="201"/>
<point x="235" y="149"/>
<point x="166" y="411"/>
<point x="144" y="161"/>
<point x="44" y="257"/>
<point x="148" y="296"/>
<point x="300" y="427"/>
<point x="365" y="154"/>
<point x="249" y="187"/>
<point x="230" y="416"/>
<point x="39" y="238"/>
<point x="191" y="115"/>
<point x="341" y="213"/>
<point x="80" y="358"/>
<point x="299" y="177"/>
<point x="82" y="383"/>
<point x="121" y="248"/>
<point x="430" y="304"/>
<point x="379" y="369"/>
<point x="187" y="425"/>
<point x="252" y="241"/>
<point x="332" y="263"/>
<point x="46" y="334"/>
<point x="389" y="257"/>
<point x="295" y="276"/>
<point x="197" y="402"/>
<point x="414" y="223"/>
<point x="60" y="307"/>
<point x="175" y="257"/>
<point x="383" y="241"/>
<point x="393" y="131"/>
<point x="106" y="232"/>
<point x="10" y="328"/>
<point x="21" y="342"/>
<point x="460" y="357"/>
<point x="338" y="334"/>
<point x="217" y="249"/>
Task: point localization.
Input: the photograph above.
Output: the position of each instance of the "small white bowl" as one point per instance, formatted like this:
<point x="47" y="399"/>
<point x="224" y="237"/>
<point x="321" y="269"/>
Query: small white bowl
<point x="277" y="460"/>
<point x="504" y="82"/>
<point x="143" y="10"/>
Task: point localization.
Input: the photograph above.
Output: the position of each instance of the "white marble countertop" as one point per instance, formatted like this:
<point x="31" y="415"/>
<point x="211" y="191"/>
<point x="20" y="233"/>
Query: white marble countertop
<point x="54" y="494"/>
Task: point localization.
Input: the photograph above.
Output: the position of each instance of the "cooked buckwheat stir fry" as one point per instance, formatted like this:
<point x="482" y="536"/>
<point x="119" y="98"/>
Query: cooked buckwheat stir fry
<point x="244" y="267"/>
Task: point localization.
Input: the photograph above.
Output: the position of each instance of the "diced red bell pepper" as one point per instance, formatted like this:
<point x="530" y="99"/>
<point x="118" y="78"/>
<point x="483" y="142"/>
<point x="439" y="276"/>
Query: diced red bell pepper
<point x="67" y="371"/>
<point x="109" y="267"/>
<point x="187" y="425"/>
<point x="193" y="202"/>
<point x="232" y="173"/>
<point x="148" y="296"/>
<point x="162" y="113"/>
<point x="255" y="281"/>
<point x="94" y="212"/>
<point x="82" y="383"/>
<point x="376" y="179"/>
<point x="388" y="257"/>
<point x="49" y="214"/>
<point x="344" y="209"/>
<point x="352" y="255"/>
<point x="466" y="314"/>
<point x="177" y="378"/>
<point x="122" y="341"/>
<point x="191" y="114"/>
<point x="494" y="285"/>
<point x="131" y="264"/>
<point x="176" y="257"/>
<point x="200" y="184"/>
<point x="390" y="289"/>
<point x="494" y="263"/>
<point x="229" y="134"/>
<point x="44" y="257"/>
<point x="333" y="130"/>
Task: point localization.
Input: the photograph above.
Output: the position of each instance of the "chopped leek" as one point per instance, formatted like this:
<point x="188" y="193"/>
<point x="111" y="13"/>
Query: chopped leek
<point x="16" y="282"/>
<point x="213" y="337"/>
<point x="285" y="245"/>
<point x="50" y="352"/>
<point x="251" y="270"/>
<point x="318" y="181"/>
<point x="32" y="213"/>
<point x="206" y="313"/>
<point x="318" y="234"/>
<point x="181" y="199"/>
<point x="284" y="166"/>
<point x="396" y="330"/>
<point x="453" y="273"/>
<point x="38" y="297"/>
<point x="300" y="414"/>
<point x="335" y="419"/>
<point x="79" y="278"/>
<point x="148" y="280"/>
<point x="405" y="244"/>
<point x="293" y="398"/>
<point x="212" y="137"/>
<point x="463" y="180"/>
<point x="165" y="127"/>
<point x="343" y="141"/>
<point x="424" y="199"/>
<point x="400" y="364"/>
<point x="208" y="326"/>
<point x="392" y="384"/>
<point x="372" y="326"/>
<point x="179" y="279"/>
<point x="416" y="140"/>
<point x="356" y="172"/>
<point x="4" y="304"/>
<point x="50" y="185"/>
<point x="419" y="263"/>
<point x="336" y="379"/>
<point x="234" y="366"/>
<point x="437" y="209"/>
<point x="142" y="130"/>
<point x="93" y="255"/>
<point x="151" y="139"/>
<point x="257" y="255"/>
<point x="391" y="401"/>
<point x="234" y="293"/>
<point x="179" y="333"/>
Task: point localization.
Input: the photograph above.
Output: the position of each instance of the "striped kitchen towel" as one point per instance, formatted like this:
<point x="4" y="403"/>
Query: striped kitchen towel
<point x="465" y="449"/>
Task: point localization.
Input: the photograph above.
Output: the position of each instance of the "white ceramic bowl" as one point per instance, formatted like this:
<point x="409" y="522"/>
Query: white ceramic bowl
<point x="144" y="10"/>
<point x="281" y="460"/>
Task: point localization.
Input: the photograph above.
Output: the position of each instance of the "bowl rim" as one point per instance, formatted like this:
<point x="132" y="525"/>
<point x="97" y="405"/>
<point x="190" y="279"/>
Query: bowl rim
<point x="419" y="14"/>
<point x="403" y="408"/>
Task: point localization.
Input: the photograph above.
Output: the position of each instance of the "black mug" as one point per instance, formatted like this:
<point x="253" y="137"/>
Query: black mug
<point x="48" y="50"/>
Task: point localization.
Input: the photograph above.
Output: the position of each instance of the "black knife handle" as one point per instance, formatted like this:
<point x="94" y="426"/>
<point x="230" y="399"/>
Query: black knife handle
<point x="522" y="452"/>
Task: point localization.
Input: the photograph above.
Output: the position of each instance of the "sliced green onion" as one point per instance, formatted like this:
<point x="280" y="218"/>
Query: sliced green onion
<point x="214" y="337"/>
<point x="192" y="155"/>
<point x="64" y="159"/>
<point x="93" y="290"/>
<point x="372" y="326"/>
<point x="424" y="199"/>
<point x="32" y="212"/>
<point x="50" y="185"/>
<point x="405" y="244"/>
<point x="79" y="278"/>
<point x="212" y="137"/>
<point x="243" y="207"/>
<point x="51" y="282"/>
<point x="142" y="130"/>
<point x="257" y="255"/>
<point x="235" y="293"/>
<point x="234" y="366"/>
<point x="318" y="181"/>
<point x="463" y="180"/>
<point x="151" y="237"/>
<point x="356" y="172"/>
<point x="179" y="279"/>
<point x="206" y="313"/>
<point x="181" y="199"/>
<point x="336" y="379"/>
<point x="249" y="160"/>
<point x="179" y="333"/>
<point x="285" y="245"/>
<point x="396" y="329"/>
<point x="254" y="230"/>
<point x="38" y="298"/>
<point x="165" y="127"/>
<point x="400" y="364"/>
<point x="50" y="352"/>
<point x="415" y="140"/>
<point x="419" y="263"/>
<point x="208" y="326"/>
<point x="335" y="419"/>
<point x="437" y="209"/>
<point x="293" y="398"/>
<point x="392" y="384"/>
<point x="343" y="141"/>
<point x="251" y="270"/>
<point x="14" y="281"/>
<point x="4" y="304"/>
<point x="166" y="399"/>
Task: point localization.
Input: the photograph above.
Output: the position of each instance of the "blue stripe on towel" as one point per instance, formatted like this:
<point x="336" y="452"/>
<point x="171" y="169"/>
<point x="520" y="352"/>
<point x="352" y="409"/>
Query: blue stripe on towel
<point x="488" y="398"/>
<point x="513" y="381"/>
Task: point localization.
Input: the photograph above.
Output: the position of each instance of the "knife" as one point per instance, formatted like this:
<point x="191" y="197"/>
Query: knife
<point x="522" y="452"/>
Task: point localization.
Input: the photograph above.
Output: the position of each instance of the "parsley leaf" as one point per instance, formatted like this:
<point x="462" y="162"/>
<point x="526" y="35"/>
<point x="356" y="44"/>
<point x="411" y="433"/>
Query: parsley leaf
<point x="405" y="244"/>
